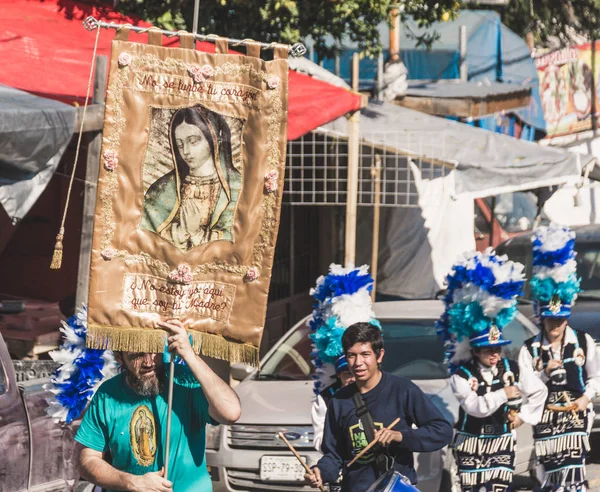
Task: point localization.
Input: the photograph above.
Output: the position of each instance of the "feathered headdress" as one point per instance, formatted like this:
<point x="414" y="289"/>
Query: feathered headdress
<point x="81" y="372"/>
<point x="342" y="298"/>
<point x="554" y="285"/>
<point x="481" y="300"/>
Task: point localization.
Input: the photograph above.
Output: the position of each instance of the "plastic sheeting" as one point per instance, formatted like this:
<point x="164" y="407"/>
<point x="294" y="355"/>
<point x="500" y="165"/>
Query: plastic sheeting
<point x="34" y="133"/>
<point x="419" y="245"/>
<point x="484" y="163"/>
<point x="494" y="53"/>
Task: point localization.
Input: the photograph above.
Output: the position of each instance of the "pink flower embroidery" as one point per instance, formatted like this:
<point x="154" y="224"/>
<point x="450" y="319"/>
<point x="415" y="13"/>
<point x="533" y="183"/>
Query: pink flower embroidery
<point x="271" y="180"/>
<point x="110" y="160"/>
<point x="208" y="71"/>
<point x="273" y="82"/>
<point x="251" y="274"/>
<point x="124" y="59"/>
<point x="108" y="254"/>
<point x="196" y="73"/>
<point x="181" y="275"/>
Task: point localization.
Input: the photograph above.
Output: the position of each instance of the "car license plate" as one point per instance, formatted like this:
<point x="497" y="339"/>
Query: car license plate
<point x="281" y="469"/>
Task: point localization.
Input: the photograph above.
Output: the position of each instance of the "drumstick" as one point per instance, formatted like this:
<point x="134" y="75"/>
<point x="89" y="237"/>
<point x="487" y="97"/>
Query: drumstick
<point x="302" y="462"/>
<point x="574" y="413"/>
<point x="371" y="444"/>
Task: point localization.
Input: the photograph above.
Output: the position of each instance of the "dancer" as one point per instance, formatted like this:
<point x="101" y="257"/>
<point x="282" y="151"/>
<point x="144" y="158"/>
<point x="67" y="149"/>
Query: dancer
<point x="564" y="359"/>
<point x="481" y="300"/>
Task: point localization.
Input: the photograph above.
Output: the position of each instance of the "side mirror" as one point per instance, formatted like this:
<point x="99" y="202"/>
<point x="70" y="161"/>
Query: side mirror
<point x="239" y="372"/>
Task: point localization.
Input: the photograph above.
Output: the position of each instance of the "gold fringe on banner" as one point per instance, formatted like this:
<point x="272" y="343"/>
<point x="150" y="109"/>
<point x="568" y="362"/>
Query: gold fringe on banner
<point x="220" y="348"/>
<point x="147" y="340"/>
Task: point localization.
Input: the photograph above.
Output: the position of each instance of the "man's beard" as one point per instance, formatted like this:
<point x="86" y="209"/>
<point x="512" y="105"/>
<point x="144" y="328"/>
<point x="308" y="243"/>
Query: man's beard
<point x="147" y="386"/>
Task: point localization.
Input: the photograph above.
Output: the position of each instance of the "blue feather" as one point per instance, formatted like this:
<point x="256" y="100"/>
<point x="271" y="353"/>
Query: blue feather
<point x="552" y="258"/>
<point x="77" y="390"/>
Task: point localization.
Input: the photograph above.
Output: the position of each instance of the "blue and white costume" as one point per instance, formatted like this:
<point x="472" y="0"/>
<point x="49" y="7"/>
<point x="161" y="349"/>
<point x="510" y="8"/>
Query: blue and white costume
<point x="481" y="300"/>
<point x="561" y="437"/>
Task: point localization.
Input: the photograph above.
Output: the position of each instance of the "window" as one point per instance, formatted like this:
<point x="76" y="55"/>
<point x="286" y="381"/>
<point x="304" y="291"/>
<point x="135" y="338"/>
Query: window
<point x="413" y="349"/>
<point x="482" y="225"/>
<point x="2" y="380"/>
<point x="588" y="268"/>
<point x="517" y="333"/>
<point x="291" y="360"/>
<point x="515" y="212"/>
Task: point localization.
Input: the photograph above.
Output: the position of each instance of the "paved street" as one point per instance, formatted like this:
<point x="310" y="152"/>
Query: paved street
<point x="593" y="467"/>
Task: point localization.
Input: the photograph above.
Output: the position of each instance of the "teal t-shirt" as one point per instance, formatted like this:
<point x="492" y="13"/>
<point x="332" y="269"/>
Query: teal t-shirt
<point x="133" y="429"/>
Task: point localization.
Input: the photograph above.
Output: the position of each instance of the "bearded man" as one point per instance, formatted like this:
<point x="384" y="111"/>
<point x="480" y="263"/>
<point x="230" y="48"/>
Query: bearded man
<point x="124" y="428"/>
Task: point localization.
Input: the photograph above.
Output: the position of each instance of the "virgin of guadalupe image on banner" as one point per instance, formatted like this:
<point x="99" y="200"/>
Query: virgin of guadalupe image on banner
<point x="189" y="196"/>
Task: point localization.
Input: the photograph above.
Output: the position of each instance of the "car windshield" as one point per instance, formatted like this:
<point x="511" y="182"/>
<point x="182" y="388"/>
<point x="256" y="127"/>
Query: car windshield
<point x="412" y="350"/>
<point x="291" y="359"/>
<point x="514" y="211"/>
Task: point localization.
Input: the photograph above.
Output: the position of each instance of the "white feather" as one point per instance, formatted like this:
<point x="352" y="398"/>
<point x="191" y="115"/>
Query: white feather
<point x="553" y="237"/>
<point x="559" y="273"/>
<point x="462" y="352"/>
<point x="353" y="308"/>
<point x="490" y="304"/>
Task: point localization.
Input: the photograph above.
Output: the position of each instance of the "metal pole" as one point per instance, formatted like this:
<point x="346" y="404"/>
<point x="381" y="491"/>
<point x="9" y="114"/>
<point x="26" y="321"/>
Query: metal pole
<point x="196" y="9"/>
<point x="493" y="221"/>
<point x="462" y="52"/>
<point x="594" y="84"/>
<point x="169" y="413"/>
<point x="296" y="50"/>
<point x="379" y="86"/>
<point x="376" y="175"/>
<point x="353" y="156"/>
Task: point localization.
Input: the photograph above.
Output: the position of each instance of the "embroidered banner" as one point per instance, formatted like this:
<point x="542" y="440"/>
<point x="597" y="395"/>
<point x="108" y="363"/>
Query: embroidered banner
<point x="189" y="196"/>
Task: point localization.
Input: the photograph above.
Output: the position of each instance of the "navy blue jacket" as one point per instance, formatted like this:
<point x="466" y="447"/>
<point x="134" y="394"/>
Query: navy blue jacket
<point x="344" y="437"/>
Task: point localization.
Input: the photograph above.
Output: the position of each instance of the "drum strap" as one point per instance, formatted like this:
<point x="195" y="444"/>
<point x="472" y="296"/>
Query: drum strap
<point x="362" y="412"/>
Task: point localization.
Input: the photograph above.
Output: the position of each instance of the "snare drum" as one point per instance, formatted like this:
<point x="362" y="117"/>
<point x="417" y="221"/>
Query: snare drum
<point x="392" y="481"/>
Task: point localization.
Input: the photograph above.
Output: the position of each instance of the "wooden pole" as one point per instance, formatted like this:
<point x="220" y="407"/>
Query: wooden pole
<point x="169" y="413"/>
<point x="371" y="444"/>
<point x="90" y="186"/>
<point x="376" y="175"/>
<point x="353" y="157"/>
<point x="394" y="40"/>
<point x="298" y="457"/>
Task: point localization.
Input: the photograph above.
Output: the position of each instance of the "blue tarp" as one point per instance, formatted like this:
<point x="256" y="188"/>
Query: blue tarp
<point x="494" y="52"/>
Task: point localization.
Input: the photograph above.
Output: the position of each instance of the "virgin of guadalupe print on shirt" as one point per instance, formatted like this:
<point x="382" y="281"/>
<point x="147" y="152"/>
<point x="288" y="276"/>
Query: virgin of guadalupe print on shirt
<point x="192" y="175"/>
<point x="142" y="431"/>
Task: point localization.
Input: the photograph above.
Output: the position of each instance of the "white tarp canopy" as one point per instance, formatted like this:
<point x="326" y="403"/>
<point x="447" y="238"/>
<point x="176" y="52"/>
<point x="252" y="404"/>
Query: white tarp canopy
<point x="418" y="245"/>
<point x="484" y="163"/>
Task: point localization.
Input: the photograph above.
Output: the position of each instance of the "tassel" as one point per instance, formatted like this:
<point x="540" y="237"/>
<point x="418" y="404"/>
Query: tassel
<point x="58" y="250"/>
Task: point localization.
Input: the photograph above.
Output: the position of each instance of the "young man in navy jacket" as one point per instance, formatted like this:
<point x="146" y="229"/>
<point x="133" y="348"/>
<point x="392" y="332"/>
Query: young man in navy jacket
<point x="387" y="397"/>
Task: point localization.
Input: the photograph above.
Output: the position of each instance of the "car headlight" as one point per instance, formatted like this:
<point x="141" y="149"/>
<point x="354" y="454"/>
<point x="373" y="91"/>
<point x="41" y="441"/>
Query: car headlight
<point x="213" y="436"/>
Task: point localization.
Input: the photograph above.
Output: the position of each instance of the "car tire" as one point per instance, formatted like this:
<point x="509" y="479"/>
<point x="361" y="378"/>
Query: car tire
<point x="450" y="480"/>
